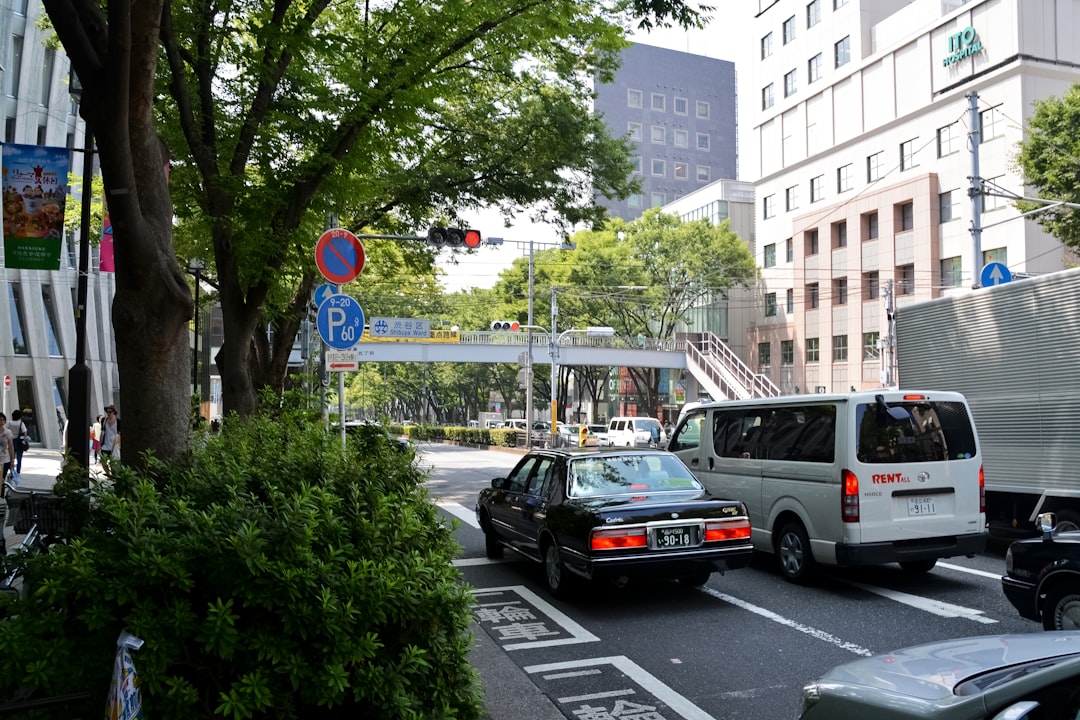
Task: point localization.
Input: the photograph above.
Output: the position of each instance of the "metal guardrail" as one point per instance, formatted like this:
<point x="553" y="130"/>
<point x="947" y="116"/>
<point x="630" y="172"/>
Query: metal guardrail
<point x="541" y="339"/>
<point x="706" y="348"/>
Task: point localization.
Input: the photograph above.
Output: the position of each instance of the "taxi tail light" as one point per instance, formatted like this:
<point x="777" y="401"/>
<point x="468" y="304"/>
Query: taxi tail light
<point x="849" y="508"/>
<point x="982" y="490"/>
<point x="618" y="539"/>
<point x="727" y="530"/>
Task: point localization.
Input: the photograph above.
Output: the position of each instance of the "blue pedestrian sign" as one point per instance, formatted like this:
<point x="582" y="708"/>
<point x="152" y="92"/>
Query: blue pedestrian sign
<point x="994" y="273"/>
<point x="340" y="321"/>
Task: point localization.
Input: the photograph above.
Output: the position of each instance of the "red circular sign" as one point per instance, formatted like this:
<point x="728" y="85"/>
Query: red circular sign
<point x="339" y="255"/>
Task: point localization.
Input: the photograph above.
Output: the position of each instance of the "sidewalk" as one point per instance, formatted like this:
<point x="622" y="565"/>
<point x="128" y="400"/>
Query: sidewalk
<point x="509" y="693"/>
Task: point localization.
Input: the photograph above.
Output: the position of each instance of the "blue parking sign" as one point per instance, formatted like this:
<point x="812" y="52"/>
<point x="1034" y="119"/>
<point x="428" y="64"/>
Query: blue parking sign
<point x="340" y="321"/>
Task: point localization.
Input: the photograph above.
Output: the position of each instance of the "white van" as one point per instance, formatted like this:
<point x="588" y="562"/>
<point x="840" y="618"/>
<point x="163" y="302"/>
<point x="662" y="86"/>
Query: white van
<point x="872" y="477"/>
<point x="635" y="432"/>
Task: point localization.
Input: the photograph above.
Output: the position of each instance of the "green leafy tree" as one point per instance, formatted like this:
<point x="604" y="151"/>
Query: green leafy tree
<point x="254" y="120"/>
<point x="1049" y="159"/>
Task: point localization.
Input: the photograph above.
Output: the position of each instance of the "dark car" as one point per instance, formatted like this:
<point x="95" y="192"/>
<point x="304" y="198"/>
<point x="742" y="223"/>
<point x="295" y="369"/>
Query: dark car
<point x="1042" y="577"/>
<point x="613" y="515"/>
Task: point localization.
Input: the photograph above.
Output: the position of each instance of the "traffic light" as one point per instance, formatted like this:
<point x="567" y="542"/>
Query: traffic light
<point x="505" y="326"/>
<point x="454" y="237"/>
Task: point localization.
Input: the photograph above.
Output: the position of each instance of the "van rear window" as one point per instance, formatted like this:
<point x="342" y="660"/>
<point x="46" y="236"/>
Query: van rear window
<point x="914" y="432"/>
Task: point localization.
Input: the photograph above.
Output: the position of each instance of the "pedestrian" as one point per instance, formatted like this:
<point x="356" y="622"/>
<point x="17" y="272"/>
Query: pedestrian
<point x="7" y="447"/>
<point x="110" y="432"/>
<point x="20" y="438"/>
<point x="95" y="439"/>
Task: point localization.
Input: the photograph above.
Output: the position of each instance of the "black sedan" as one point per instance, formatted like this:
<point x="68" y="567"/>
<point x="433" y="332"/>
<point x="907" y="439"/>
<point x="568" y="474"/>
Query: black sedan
<point x="612" y="515"/>
<point x="1042" y="577"/>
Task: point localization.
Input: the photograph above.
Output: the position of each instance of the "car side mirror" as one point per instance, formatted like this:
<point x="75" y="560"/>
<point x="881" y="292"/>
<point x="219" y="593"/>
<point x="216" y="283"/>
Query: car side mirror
<point x="1017" y="711"/>
<point x="498" y="483"/>
<point x="1046" y="522"/>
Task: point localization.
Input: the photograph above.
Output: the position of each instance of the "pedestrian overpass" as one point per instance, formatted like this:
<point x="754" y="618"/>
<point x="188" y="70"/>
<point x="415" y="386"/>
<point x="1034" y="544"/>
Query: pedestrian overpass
<point x="709" y="360"/>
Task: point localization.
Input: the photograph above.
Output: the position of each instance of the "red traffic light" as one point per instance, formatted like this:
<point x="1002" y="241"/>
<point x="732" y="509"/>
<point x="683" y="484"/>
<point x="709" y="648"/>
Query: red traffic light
<point x="505" y="325"/>
<point x="454" y="237"/>
<point x="472" y="238"/>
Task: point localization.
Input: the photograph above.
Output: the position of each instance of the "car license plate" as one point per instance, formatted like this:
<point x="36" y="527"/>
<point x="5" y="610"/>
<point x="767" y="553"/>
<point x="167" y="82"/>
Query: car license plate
<point x="675" y="537"/>
<point x="917" y="506"/>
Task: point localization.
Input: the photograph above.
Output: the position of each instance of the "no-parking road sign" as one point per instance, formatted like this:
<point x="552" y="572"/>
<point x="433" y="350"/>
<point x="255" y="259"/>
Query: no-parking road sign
<point x="339" y="255"/>
<point x="340" y="321"/>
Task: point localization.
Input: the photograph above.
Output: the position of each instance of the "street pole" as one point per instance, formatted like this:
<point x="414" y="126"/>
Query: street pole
<point x="78" y="429"/>
<point x="554" y="364"/>
<point x="529" y="362"/>
<point x="195" y="267"/>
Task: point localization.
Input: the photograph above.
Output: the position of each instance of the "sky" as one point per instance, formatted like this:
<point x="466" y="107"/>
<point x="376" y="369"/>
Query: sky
<point x="482" y="269"/>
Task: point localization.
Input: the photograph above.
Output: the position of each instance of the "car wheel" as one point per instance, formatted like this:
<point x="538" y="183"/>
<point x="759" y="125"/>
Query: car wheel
<point x="1067" y="521"/>
<point x="1062" y="609"/>
<point x="492" y="547"/>
<point x="918" y="567"/>
<point x="556" y="577"/>
<point x="793" y="553"/>
<point x="695" y="580"/>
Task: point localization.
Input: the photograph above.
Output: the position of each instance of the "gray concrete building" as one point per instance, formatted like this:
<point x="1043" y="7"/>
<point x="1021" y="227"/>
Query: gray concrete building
<point x="679" y="111"/>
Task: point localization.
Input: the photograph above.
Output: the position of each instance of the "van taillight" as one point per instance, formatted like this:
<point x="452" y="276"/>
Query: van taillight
<point x="849" y="508"/>
<point x="982" y="491"/>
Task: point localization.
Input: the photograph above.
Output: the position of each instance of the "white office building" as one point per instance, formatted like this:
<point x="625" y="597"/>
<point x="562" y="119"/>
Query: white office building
<point x="861" y="150"/>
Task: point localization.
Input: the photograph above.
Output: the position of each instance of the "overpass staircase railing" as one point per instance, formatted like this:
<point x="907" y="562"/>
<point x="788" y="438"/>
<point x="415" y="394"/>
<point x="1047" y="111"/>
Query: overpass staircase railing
<point x="717" y="366"/>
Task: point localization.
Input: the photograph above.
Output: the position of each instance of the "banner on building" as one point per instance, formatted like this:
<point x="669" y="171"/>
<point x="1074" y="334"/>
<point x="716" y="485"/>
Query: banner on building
<point x="34" y="187"/>
<point x="105" y="250"/>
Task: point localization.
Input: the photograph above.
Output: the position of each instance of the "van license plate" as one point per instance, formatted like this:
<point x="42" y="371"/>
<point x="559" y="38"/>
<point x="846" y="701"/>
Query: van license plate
<point x="917" y="506"/>
<point x="675" y="537"/>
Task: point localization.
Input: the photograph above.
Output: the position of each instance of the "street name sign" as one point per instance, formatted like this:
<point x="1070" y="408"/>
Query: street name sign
<point x="400" y="328"/>
<point x="342" y="360"/>
<point x="340" y="321"/>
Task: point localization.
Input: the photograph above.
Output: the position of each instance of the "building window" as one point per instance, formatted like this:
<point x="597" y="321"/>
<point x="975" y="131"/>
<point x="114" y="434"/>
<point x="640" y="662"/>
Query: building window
<point x="873" y="167"/>
<point x="681" y="138"/>
<point x="770" y="255"/>
<point x="767" y="97"/>
<point x="813" y="13"/>
<point x="18" y="322"/>
<point x="633" y="131"/>
<point x="791" y="198"/>
<point x="9" y="130"/>
<point x="813" y="296"/>
<point x="46" y="75"/>
<point x="843" y="178"/>
<point x="907" y="155"/>
<point x="702" y="109"/>
<point x="703" y="141"/>
<point x="787" y="353"/>
<point x="637" y="165"/>
<point x="789" y="83"/>
<point x="789" y="250"/>
<point x="635" y="201"/>
<point x="905" y="216"/>
<point x="842" y="51"/>
<point x="790" y="300"/>
<point x="682" y="171"/>
<point x="764" y="355"/>
<point x="837" y="4"/>
<point x="766" y="46"/>
<point x="989" y="124"/>
<point x="657" y="167"/>
<point x="704" y="173"/>
<point x="949" y="205"/>
<point x="770" y="304"/>
<point x="839" y="291"/>
<point x="768" y="206"/>
<point x="657" y="134"/>
<point x="811" y="242"/>
<point x="951" y="272"/>
<point x="682" y="106"/>
<point x="839" y="348"/>
<point x="998" y="255"/>
<point x="839" y="234"/>
<point x="870" y="346"/>
<point x="42" y="133"/>
<point x="52" y="336"/>
<point x="813" y="69"/>
<point x="658" y="199"/>
<point x="658" y="102"/>
<point x="905" y="280"/>
<point x="813" y="350"/>
<point x="817" y="188"/>
<point x="870" y="226"/>
<point x="947" y="140"/>
<point x="14" y="69"/>
<point x="633" y="98"/>
<point x="789" y="29"/>
<point x="872" y="283"/>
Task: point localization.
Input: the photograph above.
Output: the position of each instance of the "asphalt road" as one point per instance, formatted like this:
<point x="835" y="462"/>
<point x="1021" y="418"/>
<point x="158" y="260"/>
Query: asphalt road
<point x="742" y="647"/>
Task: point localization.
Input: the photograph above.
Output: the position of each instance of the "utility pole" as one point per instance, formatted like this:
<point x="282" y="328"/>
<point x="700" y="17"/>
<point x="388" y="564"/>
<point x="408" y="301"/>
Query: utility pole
<point x="888" y="343"/>
<point x="975" y="188"/>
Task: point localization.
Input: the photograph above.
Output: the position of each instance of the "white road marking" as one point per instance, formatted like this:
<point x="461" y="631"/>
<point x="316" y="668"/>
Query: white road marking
<point x="935" y="607"/>
<point x="460" y="511"/>
<point x="788" y="622"/>
<point x="648" y="682"/>
<point x="970" y="571"/>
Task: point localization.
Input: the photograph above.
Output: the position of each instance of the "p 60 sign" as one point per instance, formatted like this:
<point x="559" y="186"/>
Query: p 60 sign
<point x="340" y="321"/>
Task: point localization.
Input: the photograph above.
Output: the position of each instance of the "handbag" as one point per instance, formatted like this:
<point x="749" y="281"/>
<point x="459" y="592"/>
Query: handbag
<point x="24" y="442"/>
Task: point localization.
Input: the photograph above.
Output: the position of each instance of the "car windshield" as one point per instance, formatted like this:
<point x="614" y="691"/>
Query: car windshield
<point x="596" y="476"/>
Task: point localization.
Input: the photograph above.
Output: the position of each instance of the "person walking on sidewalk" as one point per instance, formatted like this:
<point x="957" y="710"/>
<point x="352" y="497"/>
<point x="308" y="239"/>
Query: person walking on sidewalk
<point x="95" y="439"/>
<point x="7" y="447"/>
<point x="20" y="438"/>
<point x="110" y="432"/>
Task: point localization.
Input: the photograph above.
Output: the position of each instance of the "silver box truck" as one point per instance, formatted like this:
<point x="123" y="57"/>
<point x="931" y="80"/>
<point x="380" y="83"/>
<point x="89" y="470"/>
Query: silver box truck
<point x="1013" y="350"/>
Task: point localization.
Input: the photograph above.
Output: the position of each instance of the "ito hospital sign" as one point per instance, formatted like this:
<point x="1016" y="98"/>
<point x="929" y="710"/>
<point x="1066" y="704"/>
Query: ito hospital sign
<point x="961" y="45"/>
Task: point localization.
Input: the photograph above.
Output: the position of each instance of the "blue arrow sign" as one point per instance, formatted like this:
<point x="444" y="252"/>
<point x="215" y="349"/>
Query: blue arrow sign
<point x="994" y="273"/>
<point x="322" y="292"/>
<point x="340" y="321"/>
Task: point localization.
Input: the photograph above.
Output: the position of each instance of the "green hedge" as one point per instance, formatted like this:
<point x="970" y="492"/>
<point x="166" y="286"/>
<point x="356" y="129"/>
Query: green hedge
<point x="271" y="575"/>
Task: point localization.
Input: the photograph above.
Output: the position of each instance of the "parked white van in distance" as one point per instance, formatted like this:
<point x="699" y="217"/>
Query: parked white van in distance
<point x="635" y="432"/>
<point x="854" y="479"/>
